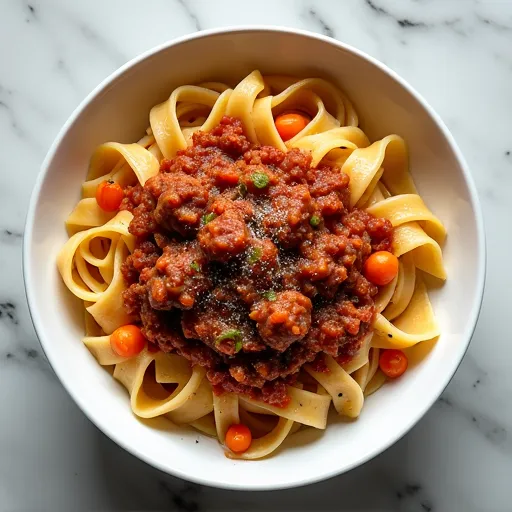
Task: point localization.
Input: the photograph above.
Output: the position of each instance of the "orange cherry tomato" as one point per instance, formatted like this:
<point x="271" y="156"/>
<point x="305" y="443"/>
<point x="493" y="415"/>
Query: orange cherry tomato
<point x="127" y="341"/>
<point x="238" y="438"/>
<point x="109" y="195"/>
<point x="289" y="124"/>
<point x="381" y="268"/>
<point x="393" y="363"/>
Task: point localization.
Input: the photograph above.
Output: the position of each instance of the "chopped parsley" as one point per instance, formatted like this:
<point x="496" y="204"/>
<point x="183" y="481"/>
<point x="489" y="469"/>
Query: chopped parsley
<point x="232" y="334"/>
<point x="254" y="255"/>
<point x="208" y="217"/>
<point x="195" y="266"/>
<point x="315" y="221"/>
<point x="260" y="179"/>
<point x="270" y="295"/>
<point x="242" y="188"/>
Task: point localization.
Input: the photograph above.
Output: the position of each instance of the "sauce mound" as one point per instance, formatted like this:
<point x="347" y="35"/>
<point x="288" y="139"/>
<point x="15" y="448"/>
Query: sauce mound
<point x="248" y="262"/>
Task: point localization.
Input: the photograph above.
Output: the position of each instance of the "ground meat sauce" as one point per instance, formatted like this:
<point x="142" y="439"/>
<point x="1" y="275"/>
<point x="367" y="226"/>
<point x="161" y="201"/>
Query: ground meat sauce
<point x="248" y="262"/>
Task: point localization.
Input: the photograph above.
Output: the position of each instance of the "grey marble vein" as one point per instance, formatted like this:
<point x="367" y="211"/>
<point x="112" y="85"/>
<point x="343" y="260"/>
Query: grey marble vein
<point x="191" y="15"/>
<point x="492" y="430"/>
<point x="494" y="24"/>
<point x="10" y="236"/>
<point x="322" y="24"/>
<point x="402" y="22"/>
<point x="8" y="311"/>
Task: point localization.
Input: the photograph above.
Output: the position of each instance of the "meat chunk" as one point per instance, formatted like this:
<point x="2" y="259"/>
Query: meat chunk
<point x="295" y="166"/>
<point x="248" y="262"/>
<point x="227" y="136"/>
<point x="181" y="202"/>
<point x="262" y="259"/>
<point x="322" y="269"/>
<point x="224" y="237"/>
<point x="179" y="277"/>
<point x="217" y="327"/>
<point x="289" y="219"/>
<point x="340" y="326"/>
<point x="145" y="255"/>
<point x="141" y="203"/>
<point x="284" y="320"/>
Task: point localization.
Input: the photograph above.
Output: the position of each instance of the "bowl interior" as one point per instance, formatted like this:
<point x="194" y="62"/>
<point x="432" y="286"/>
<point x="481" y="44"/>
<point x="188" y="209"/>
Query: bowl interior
<point x="118" y="110"/>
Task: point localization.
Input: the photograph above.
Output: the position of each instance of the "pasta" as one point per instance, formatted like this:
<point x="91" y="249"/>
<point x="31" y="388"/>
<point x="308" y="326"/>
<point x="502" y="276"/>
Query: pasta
<point x="166" y="383"/>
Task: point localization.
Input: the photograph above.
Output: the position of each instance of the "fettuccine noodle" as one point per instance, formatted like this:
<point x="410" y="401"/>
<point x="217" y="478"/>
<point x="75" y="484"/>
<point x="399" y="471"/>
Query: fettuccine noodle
<point x="165" y="384"/>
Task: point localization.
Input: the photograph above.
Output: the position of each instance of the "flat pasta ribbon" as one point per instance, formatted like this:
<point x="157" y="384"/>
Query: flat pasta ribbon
<point x="165" y="122"/>
<point x="383" y="298"/>
<point x="267" y="444"/>
<point x="205" y="425"/>
<point x="241" y="102"/>
<point x="169" y="368"/>
<point x="167" y="385"/>
<point x="87" y="214"/>
<point x="426" y="252"/>
<point x="293" y="98"/>
<point x="387" y="158"/>
<point x="334" y="99"/>
<point x="259" y="424"/>
<point x="417" y="323"/>
<point x="225" y="409"/>
<point x="402" y="293"/>
<point x="361" y="357"/>
<point x="346" y="394"/>
<point x="125" y="164"/>
<point x="305" y="407"/>
<point x="365" y="374"/>
<point x="409" y="208"/>
<point x="99" y="347"/>
<point x="108" y="310"/>
<point x="78" y="246"/>
<point x="349" y="137"/>
<point x="375" y="383"/>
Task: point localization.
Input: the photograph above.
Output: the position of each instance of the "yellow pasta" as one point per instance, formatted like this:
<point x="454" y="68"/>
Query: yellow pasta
<point x="94" y="261"/>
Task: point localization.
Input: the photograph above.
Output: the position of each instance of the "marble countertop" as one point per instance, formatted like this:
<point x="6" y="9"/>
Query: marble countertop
<point x="457" y="53"/>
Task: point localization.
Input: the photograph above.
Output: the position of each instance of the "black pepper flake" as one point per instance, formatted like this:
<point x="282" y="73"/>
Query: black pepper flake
<point x="390" y="335"/>
<point x="197" y="442"/>
<point x="300" y="404"/>
<point x="340" y="395"/>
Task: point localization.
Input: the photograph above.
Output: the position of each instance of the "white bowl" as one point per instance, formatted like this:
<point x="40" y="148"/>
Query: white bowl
<point x="118" y="110"/>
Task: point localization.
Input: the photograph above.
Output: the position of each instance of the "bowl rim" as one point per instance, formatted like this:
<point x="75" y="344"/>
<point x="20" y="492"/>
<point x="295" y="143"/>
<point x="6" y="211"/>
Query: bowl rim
<point x="38" y="323"/>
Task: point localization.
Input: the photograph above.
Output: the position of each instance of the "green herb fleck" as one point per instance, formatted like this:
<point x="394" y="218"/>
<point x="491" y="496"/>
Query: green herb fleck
<point x="260" y="179"/>
<point x="208" y="217"/>
<point x="242" y="188"/>
<point x="270" y="295"/>
<point x="232" y="334"/>
<point x="238" y="346"/>
<point x="195" y="266"/>
<point x="315" y="221"/>
<point x="254" y="255"/>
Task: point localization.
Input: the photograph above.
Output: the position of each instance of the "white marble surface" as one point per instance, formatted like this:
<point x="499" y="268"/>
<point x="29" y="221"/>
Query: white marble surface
<point x="458" y="53"/>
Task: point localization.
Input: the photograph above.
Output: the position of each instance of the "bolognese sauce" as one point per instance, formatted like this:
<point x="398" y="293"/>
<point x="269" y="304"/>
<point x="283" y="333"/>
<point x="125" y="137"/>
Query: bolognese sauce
<point x="249" y="262"/>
